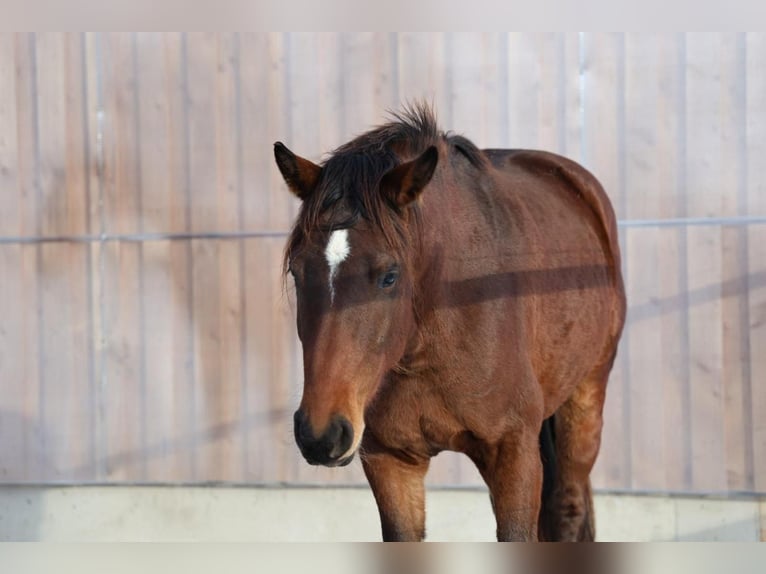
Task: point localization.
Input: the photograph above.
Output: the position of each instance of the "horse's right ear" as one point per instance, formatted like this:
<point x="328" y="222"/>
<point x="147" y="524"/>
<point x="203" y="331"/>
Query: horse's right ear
<point x="300" y="174"/>
<point x="404" y="183"/>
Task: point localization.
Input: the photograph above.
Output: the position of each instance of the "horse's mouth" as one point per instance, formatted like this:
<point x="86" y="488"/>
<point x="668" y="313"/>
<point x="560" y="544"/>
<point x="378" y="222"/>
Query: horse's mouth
<point x="345" y="461"/>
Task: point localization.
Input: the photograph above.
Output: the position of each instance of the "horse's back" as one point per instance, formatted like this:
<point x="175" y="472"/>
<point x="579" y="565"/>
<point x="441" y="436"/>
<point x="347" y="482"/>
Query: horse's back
<point x="578" y="178"/>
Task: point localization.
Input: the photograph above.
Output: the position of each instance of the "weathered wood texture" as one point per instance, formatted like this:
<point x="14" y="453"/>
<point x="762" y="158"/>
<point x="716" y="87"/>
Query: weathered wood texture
<point x="145" y="335"/>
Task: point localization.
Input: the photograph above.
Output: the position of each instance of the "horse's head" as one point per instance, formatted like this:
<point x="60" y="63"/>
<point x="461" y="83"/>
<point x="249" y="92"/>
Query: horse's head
<point x="351" y="257"/>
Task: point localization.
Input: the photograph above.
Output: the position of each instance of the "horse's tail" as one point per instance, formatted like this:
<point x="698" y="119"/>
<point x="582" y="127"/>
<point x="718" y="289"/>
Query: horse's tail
<point x="546" y="520"/>
<point x="546" y="525"/>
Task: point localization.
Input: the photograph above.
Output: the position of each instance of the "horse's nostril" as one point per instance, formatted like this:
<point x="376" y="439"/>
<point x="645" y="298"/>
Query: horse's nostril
<point x="302" y="428"/>
<point x="342" y="437"/>
<point x="346" y="434"/>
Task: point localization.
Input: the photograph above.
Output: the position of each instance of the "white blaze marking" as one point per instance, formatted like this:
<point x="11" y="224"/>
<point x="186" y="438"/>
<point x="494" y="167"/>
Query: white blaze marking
<point x="336" y="252"/>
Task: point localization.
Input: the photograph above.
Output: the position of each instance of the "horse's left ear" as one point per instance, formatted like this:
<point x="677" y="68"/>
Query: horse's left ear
<point x="404" y="183"/>
<point x="300" y="174"/>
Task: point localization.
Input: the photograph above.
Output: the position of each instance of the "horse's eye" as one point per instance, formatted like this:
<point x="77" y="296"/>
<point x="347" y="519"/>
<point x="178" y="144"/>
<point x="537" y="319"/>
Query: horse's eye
<point x="389" y="279"/>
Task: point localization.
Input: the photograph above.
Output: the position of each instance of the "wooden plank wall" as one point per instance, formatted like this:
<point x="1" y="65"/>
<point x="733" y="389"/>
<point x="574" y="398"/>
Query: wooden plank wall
<point x="145" y="335"/>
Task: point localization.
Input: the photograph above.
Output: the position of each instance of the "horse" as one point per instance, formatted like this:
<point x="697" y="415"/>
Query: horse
<point x="454" y="298"/>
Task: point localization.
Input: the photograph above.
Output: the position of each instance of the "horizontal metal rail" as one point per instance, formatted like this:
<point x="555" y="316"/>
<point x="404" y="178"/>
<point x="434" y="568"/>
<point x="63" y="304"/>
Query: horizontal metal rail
<point x="142" y="237"/>
<point x="693" y="221"/>
<point x="224" y="235"/>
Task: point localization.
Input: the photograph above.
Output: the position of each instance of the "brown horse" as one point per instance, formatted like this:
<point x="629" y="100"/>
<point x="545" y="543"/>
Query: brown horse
<point x="452" y="298"/>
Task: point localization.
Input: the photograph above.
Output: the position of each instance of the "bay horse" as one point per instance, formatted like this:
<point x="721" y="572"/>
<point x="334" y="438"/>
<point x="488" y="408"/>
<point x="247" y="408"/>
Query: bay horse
<point x="453" y="298"/>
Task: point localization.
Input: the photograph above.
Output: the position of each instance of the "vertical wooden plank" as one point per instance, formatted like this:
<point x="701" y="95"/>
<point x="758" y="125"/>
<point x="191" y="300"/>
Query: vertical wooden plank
<point x="673" y="359"/>
<point x="756" y="242"/>
<point x="122" y="197"/>
<point x="157" y="63"/>
<point x="124" y="387"/>
<point x="423" y="72"/>
<point x="354" y="80"/>
<point x="266" y="413"/>
<point x="264" y="85"/>
<point x="176" y="82"/>
<point x="273" y="369"/>
<point x="202" y="62"/>
<point x="572" y="87"/>
<point x="466" y="79"/>
<point x="494" y="90"/>
<point x="386" y="78"/>
<point x="63" y="268"/>
<point x="165" y="322"/>
<point x="165" y="441"/>
<point x="224" y="395"/>
<point x="594" y="102"/>
<point x="669" y="187"/>
<point x="123" y="416"/>
<point x="475" y="71"/>
<point x="286" y="360"/>
<point x="55" y="362"/>
<point x="735" y="351"/>
<point x="26" y="130"/>
<point x="266" y="207"/>
<point x="551" y="101"/>
<point x="154" y="159"/>
<point x="13" y="421"/>
<point x="331" y="85"/>
<point x="524" y="58"/>
<point x="368" y="80"/>
<point x="60" y="121"/>
<point x="79" y="449"/>
<point x="537" y="88"/>
<point x="212" y="68"/>
<point x="642" y="186"/>
<point x="703" y="141"/>
<point x="303" y="85"/>
<point x="94" y="109"/>
<point x="9" y="153"/>
<point x="203" y="172"/>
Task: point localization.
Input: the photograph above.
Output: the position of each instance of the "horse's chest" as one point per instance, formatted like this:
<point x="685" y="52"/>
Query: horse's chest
<point x="417" y="422"/>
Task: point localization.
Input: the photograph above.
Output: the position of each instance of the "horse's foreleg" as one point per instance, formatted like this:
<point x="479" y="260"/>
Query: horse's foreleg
<point x="514" y="474"/>
<point x="400" y="494"/>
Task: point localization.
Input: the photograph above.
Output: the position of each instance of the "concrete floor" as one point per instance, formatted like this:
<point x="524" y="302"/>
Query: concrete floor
<point x="216" y="513"/>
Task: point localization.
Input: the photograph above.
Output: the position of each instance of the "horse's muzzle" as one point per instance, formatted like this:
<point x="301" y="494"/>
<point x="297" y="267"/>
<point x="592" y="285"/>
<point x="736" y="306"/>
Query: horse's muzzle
<point x="329" y="448"/>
